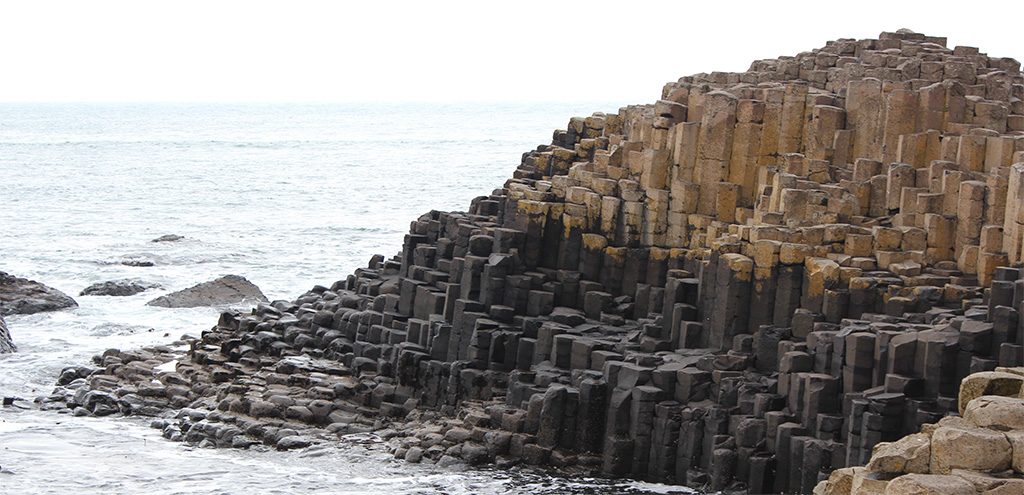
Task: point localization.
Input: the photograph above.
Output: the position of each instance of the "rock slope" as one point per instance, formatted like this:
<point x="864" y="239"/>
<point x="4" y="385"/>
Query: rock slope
<point x="742" y="287"/>
<point x="6" y="344"/>
<point x="226" y="290"/>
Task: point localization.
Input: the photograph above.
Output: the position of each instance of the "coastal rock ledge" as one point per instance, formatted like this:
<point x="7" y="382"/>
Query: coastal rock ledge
<point x="760" y="279"/>
<point x="6" y="344"/>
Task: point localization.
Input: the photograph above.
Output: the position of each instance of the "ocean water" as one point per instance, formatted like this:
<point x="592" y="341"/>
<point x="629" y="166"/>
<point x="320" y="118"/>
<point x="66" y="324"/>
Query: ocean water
<point x="288" y="196"/>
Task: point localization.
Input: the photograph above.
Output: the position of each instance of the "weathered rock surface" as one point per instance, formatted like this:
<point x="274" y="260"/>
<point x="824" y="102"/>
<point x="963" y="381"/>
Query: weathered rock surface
<point x="23" y="296"/>
<point x="6" y="343"/>
<point x="742" y="287"/>
<point x="125" y="287"/>
<point x="226" y="290"/>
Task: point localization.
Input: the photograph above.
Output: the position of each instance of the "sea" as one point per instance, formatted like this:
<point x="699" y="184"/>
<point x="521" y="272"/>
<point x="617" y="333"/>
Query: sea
<point x="286" y="195"/>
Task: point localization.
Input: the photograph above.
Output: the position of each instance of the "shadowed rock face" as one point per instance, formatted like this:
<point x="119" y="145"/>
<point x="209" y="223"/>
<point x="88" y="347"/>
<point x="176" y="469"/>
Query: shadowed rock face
<point x="126" y="287"/>
<point x="23" y="296"/>
<point x="6" y="345"/>
<point x="229" y="289"/>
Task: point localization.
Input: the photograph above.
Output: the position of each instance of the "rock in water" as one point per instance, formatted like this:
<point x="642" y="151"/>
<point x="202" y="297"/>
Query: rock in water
<point x="168" y="238"/>
<point x="6" y="344"/>
<point x="229" y="289"/>
<point x="124" y="287"/>
<point x="23" y="296"/>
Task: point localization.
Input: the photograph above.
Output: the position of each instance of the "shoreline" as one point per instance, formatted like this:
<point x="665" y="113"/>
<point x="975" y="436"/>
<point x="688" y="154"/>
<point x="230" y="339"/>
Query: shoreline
<point x="743" y="287"/>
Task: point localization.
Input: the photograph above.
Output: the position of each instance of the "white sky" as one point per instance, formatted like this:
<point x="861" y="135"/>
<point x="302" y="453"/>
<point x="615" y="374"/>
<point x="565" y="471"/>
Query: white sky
<point x="506" y="50"/>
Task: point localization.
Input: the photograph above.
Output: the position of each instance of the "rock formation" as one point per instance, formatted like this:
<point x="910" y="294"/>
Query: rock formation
<point x="742" y="287"/>
<point x="6" y="344"/>
<point x="981" y="452"/>
<point x="125" y="287"/>
<point x="226" y="290"/>
<point x="23" y="296"/>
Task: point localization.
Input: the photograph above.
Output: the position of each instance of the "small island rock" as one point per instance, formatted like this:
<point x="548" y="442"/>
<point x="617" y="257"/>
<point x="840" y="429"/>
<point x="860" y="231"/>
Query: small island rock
<point x="124" y="287"/>
<point x="23" y="296"/>
<point x="229" y="289"/>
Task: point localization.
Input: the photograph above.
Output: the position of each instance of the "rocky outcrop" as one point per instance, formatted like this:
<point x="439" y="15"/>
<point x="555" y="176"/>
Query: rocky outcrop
<point x="125" y="287"/>
<point x="223" y="291"/>
<point x="982" y="452"/>
<point x="6" y="344"/>
<point x="168" y="238"/>
<point x="745" y="286"/>
<point x="23" y="296"/>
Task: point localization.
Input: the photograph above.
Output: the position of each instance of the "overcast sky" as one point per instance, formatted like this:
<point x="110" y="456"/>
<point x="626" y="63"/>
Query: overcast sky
<point x="510" y="50"/>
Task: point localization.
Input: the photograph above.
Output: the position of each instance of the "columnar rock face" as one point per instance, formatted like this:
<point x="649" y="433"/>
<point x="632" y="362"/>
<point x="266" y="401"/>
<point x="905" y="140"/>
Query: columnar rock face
<point x="744" y="286"/>
<point x="981" y="452"/>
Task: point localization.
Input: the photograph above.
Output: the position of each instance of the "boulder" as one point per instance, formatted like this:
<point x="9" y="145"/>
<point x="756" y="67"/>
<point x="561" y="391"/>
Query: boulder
<point x="977" y="449"/>
<point x="910" y="454"/>
<point x="124" y="287"/>
<point x="996" y="412"/>
<point x="6" y="344"/>
<point x="929" y="484"/>
<point x="229" y="289"/>
<point x="1016" y="439"/>
<point x="168" y="238"/>
<point x="23" y="296"/>
<point x="988" y="383"/>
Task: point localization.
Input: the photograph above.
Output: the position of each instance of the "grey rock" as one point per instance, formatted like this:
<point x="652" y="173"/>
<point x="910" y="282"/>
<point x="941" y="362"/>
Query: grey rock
<point x="124" y="287"/>
<point x="6" y="344"/>
<point x="226" y="290"/>
<point x="294" y="442"/>
<point x="23" y="296"/>
<point x="168" y="238"/>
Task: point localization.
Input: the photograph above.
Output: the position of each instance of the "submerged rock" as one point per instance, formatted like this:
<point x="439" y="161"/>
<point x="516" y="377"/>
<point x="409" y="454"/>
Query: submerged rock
<point x="23" y="296"/>
<point x="229" y="289"/>
<point x="168" y="238"/>
<point x="6" y="344"/>
<point x="124" y="287"/>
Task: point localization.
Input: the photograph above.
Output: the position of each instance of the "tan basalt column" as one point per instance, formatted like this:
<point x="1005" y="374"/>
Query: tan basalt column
<point x="745" y="148"/>
<point x="864" y="106"/>
<point x="791" y="125"/>
<point x="684" y="153"/>
<point x="825" y="122"/>
<point x="1013" y="222"/>
<point x="900" y="118"/>
<point x="768" y="153"/>
<point x="899" y="176"/>
<point x="970" y="215"/>
<point x="714" y="148"/>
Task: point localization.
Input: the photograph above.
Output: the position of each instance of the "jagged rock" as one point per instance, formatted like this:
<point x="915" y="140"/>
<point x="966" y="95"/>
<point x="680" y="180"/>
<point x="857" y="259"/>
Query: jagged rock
<point x="6" y="344"/>
<point x="996" y="412"/>
<point x="910" y="454"/>
<point x="168" y="238"/>
<point x="23" y="296"/>
<point x="229" y="289"/>
<point x="125" y="287"/>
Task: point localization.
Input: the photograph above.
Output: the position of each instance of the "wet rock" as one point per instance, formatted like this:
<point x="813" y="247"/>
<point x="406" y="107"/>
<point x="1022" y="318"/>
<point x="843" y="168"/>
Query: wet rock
<point x="125" y="287"/>
<point x="6" y="343"/>
<point x="168" y="238"/>
<point x="23" y="296"/>
<point x="229" y="289"/>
